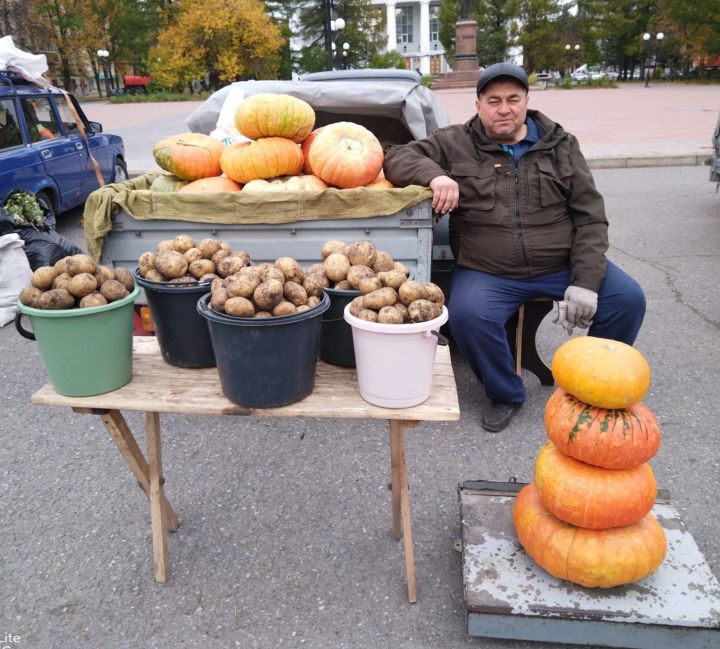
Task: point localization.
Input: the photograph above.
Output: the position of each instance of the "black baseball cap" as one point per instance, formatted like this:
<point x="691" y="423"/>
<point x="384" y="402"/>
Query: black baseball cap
<point x="499" y="70"/>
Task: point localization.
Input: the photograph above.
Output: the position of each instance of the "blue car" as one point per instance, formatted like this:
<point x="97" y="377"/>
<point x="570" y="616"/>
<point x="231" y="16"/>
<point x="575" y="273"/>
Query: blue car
<point x="43" y="152"/>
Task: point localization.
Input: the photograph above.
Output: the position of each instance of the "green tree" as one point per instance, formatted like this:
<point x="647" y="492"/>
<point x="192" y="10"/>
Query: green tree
<point x="537" y="31"/>
<point x="448" y="16"/>
<point x="62" y="24"/>
<point x="282" y="13"/>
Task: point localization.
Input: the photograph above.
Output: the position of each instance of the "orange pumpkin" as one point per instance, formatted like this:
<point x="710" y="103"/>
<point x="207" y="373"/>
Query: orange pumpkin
<point x="300" y="183"/>
<point x="167" y="183"/>
<point x="216" y="184"/>
<point x="274" y="115"/>
<point x="591" y="497"/>
<point x="306" y="150"/>
<point x="189" y="156"/>
<point x="380" y="182"/>
<point x="591" y="558"/>
<point x="608" y="438"/>
<point x="345" y="155"/>
<point x="602" y="372"/>
<point x="267" y="157"/>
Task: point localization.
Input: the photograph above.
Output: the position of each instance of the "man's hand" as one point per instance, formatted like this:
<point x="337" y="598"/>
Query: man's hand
<point x="446" y="194"/>
<point x="581" y="306"/>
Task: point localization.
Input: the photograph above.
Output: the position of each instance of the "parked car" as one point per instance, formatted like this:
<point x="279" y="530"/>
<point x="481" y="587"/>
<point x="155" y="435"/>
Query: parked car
<point x="42" y="151"/>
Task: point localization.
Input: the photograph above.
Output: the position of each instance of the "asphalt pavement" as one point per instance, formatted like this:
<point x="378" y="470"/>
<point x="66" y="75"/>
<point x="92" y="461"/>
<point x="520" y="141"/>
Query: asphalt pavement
<point x="285" y="536"/>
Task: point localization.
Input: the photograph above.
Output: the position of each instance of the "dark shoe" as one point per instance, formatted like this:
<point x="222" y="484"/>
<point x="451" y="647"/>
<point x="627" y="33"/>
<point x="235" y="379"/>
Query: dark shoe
<point x="498" y="415"/>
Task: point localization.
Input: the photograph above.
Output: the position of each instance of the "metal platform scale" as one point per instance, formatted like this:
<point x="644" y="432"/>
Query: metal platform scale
<point x="508" y="596"/>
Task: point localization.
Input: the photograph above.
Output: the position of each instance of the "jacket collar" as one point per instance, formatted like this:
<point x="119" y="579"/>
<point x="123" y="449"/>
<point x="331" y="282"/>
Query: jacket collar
<point x="550" y="132"/>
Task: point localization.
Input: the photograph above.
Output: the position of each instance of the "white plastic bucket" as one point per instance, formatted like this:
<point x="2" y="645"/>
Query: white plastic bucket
<point x="395" y="362"/>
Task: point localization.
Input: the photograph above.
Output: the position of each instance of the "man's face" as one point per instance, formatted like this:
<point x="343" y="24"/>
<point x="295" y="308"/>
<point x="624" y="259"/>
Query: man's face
<point x="502" y="108"/>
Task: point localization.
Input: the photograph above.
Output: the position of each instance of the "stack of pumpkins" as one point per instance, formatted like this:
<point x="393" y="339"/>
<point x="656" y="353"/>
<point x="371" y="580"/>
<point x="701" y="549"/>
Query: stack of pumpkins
<point x="283" y="153"/>
<point x="586" y="517"/>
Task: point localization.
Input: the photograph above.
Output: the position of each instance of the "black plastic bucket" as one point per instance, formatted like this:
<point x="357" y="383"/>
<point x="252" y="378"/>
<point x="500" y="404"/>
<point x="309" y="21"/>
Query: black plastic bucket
<point x="336" y="339"/>
<point x="265" y="362"/>
<point x="181" y="332"/>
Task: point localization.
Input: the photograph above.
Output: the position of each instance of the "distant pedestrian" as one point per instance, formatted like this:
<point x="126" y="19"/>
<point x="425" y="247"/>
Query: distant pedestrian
<point x="83" y="87"/>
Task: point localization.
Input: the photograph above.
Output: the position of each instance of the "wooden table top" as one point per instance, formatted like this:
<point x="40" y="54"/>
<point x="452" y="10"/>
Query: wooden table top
<point x="157" y="386"/>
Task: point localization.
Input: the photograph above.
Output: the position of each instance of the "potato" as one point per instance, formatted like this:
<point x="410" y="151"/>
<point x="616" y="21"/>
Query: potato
<point x="268" y="294"/>
<point x="218" y="298"/>
<point x="77" y="264"/>
<point x="183" y="243"/>
<point x="240" y="307"/>
<point x="403" y="311"/>
<point x="383" y="262"/>
<point x="434" y="293"/>
<point x="367" y="314"/>
<point x="242" y="286"/>
<point x="125" y="277"/>
<point x="316" y="268"/>
<point x="272" y="272"/>
<point x="291" y="269"/>
<point x="393" y="278"/>
<point x="56" y="299"/>
<point x="192" y="254"/>
<point x="313" y="300"/>
<point x="61" y="281"/>
<point x="263" y="314"/>
<point x="411" y="291"/>
<point x="208" y="247"/>
<point x="171" y="264"/>
<point x="167" y="244"/>
<point x="200" y="267"/>
<point x="356" y="305"/>
<point x="217" y="283"/>
<point x="230" y="265"/>
<point x="183" y="279"/>
<point x="389" y="315"/>
<point x="314" y="283"/>
<point x="284" y="308"/>
<point x="207" y="278"/>
<point x="218" y="256"/>
<point x="43" y="277"/>
<point x="82" y="284"/>
<point x="398" y="265"/>
<point x="329" y="247"/>
<point x="369" y="284"/>
<point x="102" y="273"/>
<point x="61" y="265"/>
<point x="92" y="299"/>
<point x="362" y="252"/>
<point x="224" y="245"/>
<point x="337" y="266"/>
<point x="301" y="308"/>
<point x="29" y="295"/>
<point x="378" y="299"/>
<point x="424" y="310"/>
<point x="294" y="293"/>
<point x="113" y="290"/>
<point x="154" y="275"/>
<point x="358" y="272"/>
<point x="146" y="263"/>
<point x="343" y="285"/>
<point x="241" y="254"/>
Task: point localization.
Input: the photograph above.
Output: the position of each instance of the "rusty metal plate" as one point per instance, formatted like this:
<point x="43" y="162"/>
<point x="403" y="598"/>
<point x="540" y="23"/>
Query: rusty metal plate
<point x="509" y="596"/>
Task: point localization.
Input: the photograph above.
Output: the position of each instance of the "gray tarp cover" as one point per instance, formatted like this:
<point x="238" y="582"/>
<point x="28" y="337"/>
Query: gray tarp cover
<point x="413" y="104"/>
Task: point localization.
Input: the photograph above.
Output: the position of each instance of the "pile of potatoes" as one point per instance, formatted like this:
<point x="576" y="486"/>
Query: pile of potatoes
<point x="181" y="261"/>
<point x="388" y="296"/>
<point x="76" y="281"/>
<point x="266" y="290"/>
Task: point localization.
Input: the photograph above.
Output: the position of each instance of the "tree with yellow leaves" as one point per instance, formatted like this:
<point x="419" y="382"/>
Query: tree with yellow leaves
<point x="225" y="39"/>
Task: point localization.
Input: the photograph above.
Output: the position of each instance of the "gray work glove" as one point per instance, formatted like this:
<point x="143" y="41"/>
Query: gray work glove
<point x="577" y="309"/>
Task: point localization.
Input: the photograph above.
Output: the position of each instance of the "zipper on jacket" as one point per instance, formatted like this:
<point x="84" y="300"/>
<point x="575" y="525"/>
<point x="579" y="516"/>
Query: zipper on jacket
<point x="518" y="221"/>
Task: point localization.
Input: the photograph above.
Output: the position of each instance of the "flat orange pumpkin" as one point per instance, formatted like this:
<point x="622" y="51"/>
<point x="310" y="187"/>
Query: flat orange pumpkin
<point x="189" y="156"/>
<point x="215" y="184"/>
<point x="267" y="157"/>
<point x="591" y="558"/>
<point x="274" y="115"/>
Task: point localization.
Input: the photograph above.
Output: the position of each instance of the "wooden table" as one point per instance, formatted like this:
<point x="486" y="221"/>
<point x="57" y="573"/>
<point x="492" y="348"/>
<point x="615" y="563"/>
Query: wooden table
<point x="158" y="387"/>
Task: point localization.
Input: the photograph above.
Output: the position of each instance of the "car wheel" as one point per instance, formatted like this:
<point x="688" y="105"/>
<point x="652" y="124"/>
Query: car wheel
<point x="121" y="172"/>
<point x="46" y="204"/>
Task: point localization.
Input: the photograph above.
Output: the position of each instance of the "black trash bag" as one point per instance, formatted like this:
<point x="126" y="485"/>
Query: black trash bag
<point x="43" y="247"/>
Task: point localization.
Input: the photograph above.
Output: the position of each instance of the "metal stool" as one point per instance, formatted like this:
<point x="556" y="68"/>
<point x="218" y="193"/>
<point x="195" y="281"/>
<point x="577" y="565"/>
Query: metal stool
<point x="521" y="332"/>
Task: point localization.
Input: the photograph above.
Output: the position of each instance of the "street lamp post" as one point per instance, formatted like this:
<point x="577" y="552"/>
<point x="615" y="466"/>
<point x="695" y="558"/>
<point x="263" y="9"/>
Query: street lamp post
<point x="569" y="49"/>
<point x="103" y="56"/>
<point x="647" y="37"/>
<point x="331" y="26"/>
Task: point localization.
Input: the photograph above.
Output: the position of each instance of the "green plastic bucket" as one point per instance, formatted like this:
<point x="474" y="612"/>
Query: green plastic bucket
<point x="86" y="351"/>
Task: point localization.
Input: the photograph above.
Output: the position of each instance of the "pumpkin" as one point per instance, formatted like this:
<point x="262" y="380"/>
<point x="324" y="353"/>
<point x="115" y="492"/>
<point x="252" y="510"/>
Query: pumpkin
<point x="307" y="169"/>
<point x="345" y="155"/>
<point x="602" y="372"/>
<point x="167" y="183"/>
<point x="215" y="184"/>
<point x="274" y="115"/>
<point x="380" y="182"/>
<point x="267" y="157"/>
<point x="608" y="438"/>
<point x="300" y="183"/>
<point x="588" y="496"/>
<point x="189" y="156"/>
<point x="591" y="558"/>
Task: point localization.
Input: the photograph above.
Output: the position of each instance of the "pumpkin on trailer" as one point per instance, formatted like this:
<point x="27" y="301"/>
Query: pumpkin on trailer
<point x="591" y="558"/>
<point x="345" y="155"/>
<point x="307" y="169"/>
<point x="215" y="184"/>
<point x="591" y="497"/>
<point x="167" y="183"/>
<point x="299" y="183"/>
<point x="267" y="157"/>
<point x="380" y="182"/>
<point x="274" y="115"/>
<point x="602" y="372"/>
<point x="189" y="156"/>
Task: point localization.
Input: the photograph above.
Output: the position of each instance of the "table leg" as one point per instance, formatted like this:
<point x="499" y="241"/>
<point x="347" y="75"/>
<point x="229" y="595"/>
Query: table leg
<point x="399" y="485"/>
<point x="159" y="531"/>
<point x="121" y="434"/>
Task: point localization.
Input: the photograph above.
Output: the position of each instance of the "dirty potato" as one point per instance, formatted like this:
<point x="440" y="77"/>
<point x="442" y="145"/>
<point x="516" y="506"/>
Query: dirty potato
<point x="29" y="295"/>
<point x="207" y="278"/>
<point x="284" y="308"/>
<point x="201" y="267"/>
<point x="383" y="262"/>
<point x="368" y="315"/>
<point x="389" y="315"/>
<point x="403" y="311"/>
<point x="329" y="247"/>
<point x="171" y="264"/>
<point x="218" y="298"/>
<point x="43" y="277"/>
<point x="77" y="264"/>
<point x="337" y="266"/>
<point x="342" y="285"/>
<point x="82" y="284"/>
<point x="125" y="277"/>
<point x="113" y="290"/>
<point x="411" y="291"/>
<point x="193" y="254"/>
<point x="242" y="286"/>
<point x="424" y="310"/>
<point x="291" y="269"/>
<point x="268" y="294"/>
<point x="295" y="293"/>
<point x="55" y="299"/>
<point x="358" y="272"/>
<point x="376" y="300"/>
<point x="263" y="314"/>
<point x="208" y="247"/>
<point x="369" y="284"/>
<point x="154" y="275"/>
<point x="313" y="300"/>
<point x="167" y="244"/>
<point x="92" y="299"/>
<point x="398" y="265"/>
<point x="61" y="265"/>
<point x="240" y="307"/>
<point x="146" y="263"/>
<point x="102" y="273"/>
<point x="183" y="243"/>
<point x="393" y="278"/>
<point x="314" y="283"/>
<point x="301" y="308"/>
<point x="434" y="293"/>
<point x="218" y="256"/>
<point x="362" y="252"/>
<point x="271" y="272"/>
<point x="357" y="305"/>
<point x="230" y="265"/>
<point x="316" y="268"/>
<point x="61" y="281"/>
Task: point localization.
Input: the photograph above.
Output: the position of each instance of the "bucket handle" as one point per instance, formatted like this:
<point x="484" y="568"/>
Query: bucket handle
<point x="23" y="332"/>
<point x="442" y="340"/>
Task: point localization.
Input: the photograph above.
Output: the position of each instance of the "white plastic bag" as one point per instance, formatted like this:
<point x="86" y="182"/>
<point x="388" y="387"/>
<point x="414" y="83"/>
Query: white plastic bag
<point x="29" y="66"/>
<point x="225" y="129"/>
<point x="15" y="275"/>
